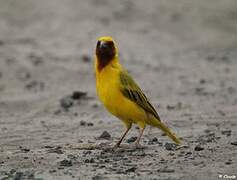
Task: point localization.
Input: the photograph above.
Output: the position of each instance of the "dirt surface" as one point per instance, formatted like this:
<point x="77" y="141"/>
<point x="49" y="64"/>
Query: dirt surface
<point x="182" y="53"/>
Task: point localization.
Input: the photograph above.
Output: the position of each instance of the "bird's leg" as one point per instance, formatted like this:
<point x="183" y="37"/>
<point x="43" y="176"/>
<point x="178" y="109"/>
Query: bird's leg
<point x="139" y="137"/>
<point x="121" y="139"/>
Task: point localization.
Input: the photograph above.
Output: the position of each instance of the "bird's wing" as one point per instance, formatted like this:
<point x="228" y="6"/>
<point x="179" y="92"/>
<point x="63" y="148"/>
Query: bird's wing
<point x="131" y="90"/>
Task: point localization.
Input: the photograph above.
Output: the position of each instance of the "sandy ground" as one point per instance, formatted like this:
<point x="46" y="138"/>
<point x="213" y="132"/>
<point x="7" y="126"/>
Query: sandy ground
<point x="182" y="53"/>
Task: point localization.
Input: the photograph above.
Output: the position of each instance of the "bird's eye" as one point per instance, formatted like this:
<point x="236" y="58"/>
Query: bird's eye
<point x="98" y="43"/>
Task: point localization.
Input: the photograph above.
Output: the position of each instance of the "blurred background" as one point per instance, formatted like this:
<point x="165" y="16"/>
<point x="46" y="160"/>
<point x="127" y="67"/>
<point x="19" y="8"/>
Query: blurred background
<point x="182" y="53"/>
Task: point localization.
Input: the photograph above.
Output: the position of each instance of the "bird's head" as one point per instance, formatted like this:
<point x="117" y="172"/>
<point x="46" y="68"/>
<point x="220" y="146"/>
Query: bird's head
<point x="106" y="51"/>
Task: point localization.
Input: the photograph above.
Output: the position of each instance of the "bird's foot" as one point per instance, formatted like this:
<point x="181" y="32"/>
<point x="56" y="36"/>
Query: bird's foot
<point x="116" y="146"/>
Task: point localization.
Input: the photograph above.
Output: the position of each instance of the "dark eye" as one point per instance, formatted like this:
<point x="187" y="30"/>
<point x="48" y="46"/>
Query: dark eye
<point x="98" y="43"/>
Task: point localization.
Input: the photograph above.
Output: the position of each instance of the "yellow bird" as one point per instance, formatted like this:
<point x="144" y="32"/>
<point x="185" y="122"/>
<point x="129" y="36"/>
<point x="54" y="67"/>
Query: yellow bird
<point x="121" y="95"/>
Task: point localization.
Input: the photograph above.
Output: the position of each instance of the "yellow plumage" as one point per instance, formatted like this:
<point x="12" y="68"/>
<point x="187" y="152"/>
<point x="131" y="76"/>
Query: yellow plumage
<point x="120" y="94"/>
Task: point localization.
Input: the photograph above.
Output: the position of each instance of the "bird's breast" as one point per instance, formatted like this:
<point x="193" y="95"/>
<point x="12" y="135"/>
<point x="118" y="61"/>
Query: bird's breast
<point x="107" y="84"/>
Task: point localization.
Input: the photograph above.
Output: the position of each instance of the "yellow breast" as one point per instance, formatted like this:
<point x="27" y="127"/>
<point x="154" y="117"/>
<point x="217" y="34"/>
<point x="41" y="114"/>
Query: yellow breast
<point x="108" y="90"/>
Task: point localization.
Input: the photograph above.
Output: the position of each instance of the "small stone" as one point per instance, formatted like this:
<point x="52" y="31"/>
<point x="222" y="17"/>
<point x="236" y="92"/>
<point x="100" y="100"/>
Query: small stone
<point x="89" y="160"/>
<point x="166" y="170"/>
<point x="86" y="58"/>
<point x="66" y="163"/>
<point x="132" y="169"/>
<point x="170" y="146"/>
<point x="57" y="150"/>
<point x="131" y="139"/>
<point x="105" y="135"/>
<point x="154" y="141"/>
<point x="228" y="162"/>
<point x="170" y="107"/>
<point x="66" y="102"/>
<point x="202" y="81"/>
<point x="35" y="59"/>
<point x="90" y="124"/>
<point x="234" y="143"/>
<point x="25" y="150"/>
<point x="76" y="95"/>
<point x="82" y="123"/>
<point x="226" y="132"/>
<point x="79" y="141"/>
<point x="198" y="148"/>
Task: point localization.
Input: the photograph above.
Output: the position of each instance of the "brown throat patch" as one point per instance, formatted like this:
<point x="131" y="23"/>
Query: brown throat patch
<point x="105" y="54"/>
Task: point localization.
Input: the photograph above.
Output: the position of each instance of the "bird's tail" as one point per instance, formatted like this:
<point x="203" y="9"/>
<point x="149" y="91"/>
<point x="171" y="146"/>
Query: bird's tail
<point x="168" y="132"/>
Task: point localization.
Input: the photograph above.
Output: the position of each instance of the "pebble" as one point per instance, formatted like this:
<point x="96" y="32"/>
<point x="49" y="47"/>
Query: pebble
<point x="25" y="150"/>
<point x="86" y="58"/>
<point x="35" y="59"/>
<point x="131" y="139"/>
<point x="66" y="102"/>
<point x="57" y="150"/>
<point x="82" y="123"/>
<point x="166" y="170"/>
<point x="234" y="143"/>
<point x="132" y="169"/>
<point x="89" y="160"/>
<point x="170" y="146"/>
<point x="226" y="132"/>
<point x="90" y="124"/>
<point x="66" y="163"/>
<point x="76" y="95"/>
<point x="154" y="141"/>
<point x="105" y="135"/>
<point x="198" y="148"/>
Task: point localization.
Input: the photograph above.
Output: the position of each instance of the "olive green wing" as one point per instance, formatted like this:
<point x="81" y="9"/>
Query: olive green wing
<point x="131" y="90"/>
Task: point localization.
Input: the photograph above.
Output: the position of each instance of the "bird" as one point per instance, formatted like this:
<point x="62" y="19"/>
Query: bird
<point x="121" y="95"/>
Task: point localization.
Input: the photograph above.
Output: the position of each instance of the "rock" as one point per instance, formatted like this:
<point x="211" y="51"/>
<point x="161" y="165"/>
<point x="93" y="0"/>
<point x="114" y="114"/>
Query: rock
<point x="154" y="141"/>
<point x="105" y="135"/>
<point x="82" y="123"/>
<point x="89" y="160"/>
<point x="90" y="124"/>
<point x="86" y="58"/>
<point x="132" y="169"/>
<point x="76" y="95"/>
<point x="66" y="163"/>
<point x="177" y="106"/>
<point x="66" y="102"/>
<point x="170" y="146"/>
<point x="234" y="143"/>
<point x="25" y="150"/>
<point x="131" y="139"/>
<point x="198" y="148"/>
<point x="35" y="59"/>
<point x="57" y="150"/>
<point x="202" y="81"/>
<point x="166" y="170"/>
<point x="97" y="177"/>
<point x="228" y="162"/>
<point x="226" y="132"/>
